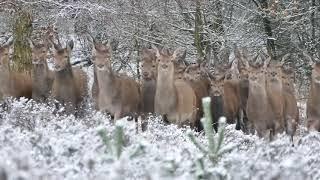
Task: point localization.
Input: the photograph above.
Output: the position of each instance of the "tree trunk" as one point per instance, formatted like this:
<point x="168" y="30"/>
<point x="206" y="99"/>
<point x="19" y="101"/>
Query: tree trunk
<point x="198" y="29"/>
<point x="268" y="30"/>
<point x="313" y="24"/>
<point x="217" y="26"/>
<point x="22" y="60"/>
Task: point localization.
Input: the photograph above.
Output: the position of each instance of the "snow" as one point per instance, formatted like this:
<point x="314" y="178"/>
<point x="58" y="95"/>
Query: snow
<point x="36" y="144"/>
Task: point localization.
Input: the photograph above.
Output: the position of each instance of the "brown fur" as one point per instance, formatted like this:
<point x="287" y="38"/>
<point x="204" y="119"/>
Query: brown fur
<point x="13" y="84"/>
<point x="258" y="108"/>
<point x="231" y="94"/>
<point x="275" y="95"/>
<point x="118" y="95"/>
<point x="291" y="110"/>
<point x="195" y="76"/>
<point x="42" y="77"/>
<point x="243" y="84"/>
<point x="95" y="89"/>
<point x="149" y="77"/>
<point x="70" y="84"/>
<point x="216" y="92"/>
<point x="175" y="99"/>
<point x="313" y="103"/>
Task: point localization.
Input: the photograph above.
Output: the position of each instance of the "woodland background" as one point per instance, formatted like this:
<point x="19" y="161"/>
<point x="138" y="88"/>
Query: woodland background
<point x="207" y="29"/>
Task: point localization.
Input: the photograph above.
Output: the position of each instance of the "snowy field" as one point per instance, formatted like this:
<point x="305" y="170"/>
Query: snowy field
<point x="36" y="144"/>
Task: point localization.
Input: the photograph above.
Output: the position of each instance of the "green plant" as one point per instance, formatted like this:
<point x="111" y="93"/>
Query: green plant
<point x="114" y="146"/>
<point x="214" y="149"/>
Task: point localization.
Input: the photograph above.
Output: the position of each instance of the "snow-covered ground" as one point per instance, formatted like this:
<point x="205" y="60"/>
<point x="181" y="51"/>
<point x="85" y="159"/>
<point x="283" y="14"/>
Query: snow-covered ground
<point x="36" y="144"/>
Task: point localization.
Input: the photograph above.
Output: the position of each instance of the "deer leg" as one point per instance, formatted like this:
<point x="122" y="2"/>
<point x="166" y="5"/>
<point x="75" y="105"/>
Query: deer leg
<point x="245" y="122"/>
<point x="238" y="123"/>
<point x="165" y="118"/>
<point x="144" y="122"/>
<point x="291" y="140"/>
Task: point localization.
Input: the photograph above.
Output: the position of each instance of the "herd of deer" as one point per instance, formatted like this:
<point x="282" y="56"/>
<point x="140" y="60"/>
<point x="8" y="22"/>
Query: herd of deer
<point x="256" y="96"/>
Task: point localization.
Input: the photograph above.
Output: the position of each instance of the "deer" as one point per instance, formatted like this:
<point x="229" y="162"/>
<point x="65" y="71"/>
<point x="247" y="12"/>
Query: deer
<point x="69" y="86"/>
<point x="243" y="58"/>
<point x="13" y="84"/>
<point x="118" y="95"/>
<point x="231" y="95"/>
<point x="216" y="92"/>
<point x="149" y="77"/>
<point x="42" y="76"/>
<point x="274" y="90"/>
<point x="259" y="111"/>
<point x="313" y="102"/>
<point x="175" y="99"/>
<point x="196" y="75"/>
<point x="291" y="110"/>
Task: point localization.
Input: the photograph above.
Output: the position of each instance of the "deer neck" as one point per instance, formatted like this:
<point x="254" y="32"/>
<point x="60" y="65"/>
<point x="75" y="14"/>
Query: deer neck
<point x="65" y="75"/>
<point x="40" y="71"/>
<point x="166" y="95"/>
<point x="107" y="81"/>
<point x="314" y="94"/>
<point x="5" y="77"/>
<point x="165" y="83"/>
<point x="258" y="96"/>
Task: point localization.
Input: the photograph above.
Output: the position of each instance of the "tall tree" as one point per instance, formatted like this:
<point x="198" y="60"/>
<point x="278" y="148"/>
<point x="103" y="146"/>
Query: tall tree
<point x="22" y="31"/>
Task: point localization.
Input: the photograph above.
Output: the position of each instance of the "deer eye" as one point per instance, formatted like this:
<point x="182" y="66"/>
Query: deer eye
<point x="153" y="66"/>
<point x="142" y="65"/>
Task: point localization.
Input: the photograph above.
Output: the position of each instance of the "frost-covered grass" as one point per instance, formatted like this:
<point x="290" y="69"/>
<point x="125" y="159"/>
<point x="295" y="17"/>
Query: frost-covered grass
<point x="36" y="144"/>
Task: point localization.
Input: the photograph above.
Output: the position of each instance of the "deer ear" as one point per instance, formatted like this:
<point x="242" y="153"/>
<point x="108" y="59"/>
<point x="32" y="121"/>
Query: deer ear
<point x="181" y="53"/>
<point x="284" y="59"/>
<point x="237" y="53"/>
<point x="177" y="54"/>
<point x="156" y="50"/>
<point x="310" y="60"/>
<point x="267" y="62"/>
<point x="144" y="51"/>
<point x="70" y="45"/>
<point x="9" y="43"/>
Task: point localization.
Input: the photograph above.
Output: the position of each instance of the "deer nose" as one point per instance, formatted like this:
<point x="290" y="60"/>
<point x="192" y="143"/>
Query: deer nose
<point x="36" y="61"/>
<point x="57" y="66"/>
<point x="254" y="78"/>
<point x="164" y="66"/>
<point x="145" y="74"/>
<point x="100" y="66"/>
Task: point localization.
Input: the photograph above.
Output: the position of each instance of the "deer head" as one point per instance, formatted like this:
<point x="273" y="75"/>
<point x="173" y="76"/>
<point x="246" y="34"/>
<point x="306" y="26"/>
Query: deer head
<point x="288" y="77"/>
<point x="193" y="72"/>
<point x="39" y="53"/>
<point x="166" y="61"/>
<point x="101" y="56"/>
<point x="217" y="84"/>
<point x="148" y="64"/>
<point x="62" y="56"/>
<point x="257" y="73"/>
<point x="315" y="64"/>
